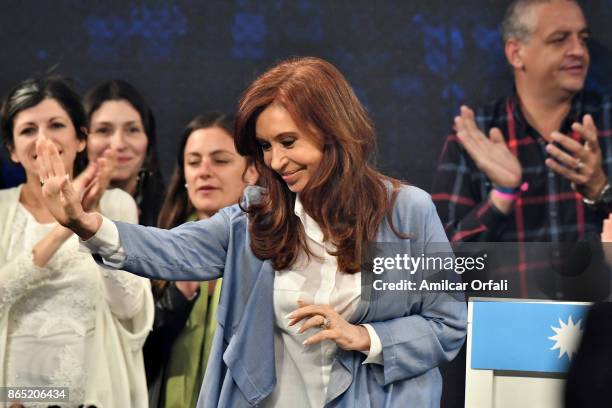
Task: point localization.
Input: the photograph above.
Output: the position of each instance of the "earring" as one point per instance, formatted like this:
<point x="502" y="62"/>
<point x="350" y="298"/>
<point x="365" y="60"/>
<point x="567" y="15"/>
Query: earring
<point x="185" y="185"/>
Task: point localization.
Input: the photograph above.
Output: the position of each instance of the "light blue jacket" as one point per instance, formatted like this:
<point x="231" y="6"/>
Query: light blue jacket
<point x="417" y="332"/>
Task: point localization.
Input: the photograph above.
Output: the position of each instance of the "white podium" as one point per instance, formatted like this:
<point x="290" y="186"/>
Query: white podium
<point x="519" y="350"/>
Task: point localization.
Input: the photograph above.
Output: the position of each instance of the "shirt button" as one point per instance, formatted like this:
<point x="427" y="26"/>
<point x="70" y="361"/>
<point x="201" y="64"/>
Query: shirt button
<point x="554" y="213"/>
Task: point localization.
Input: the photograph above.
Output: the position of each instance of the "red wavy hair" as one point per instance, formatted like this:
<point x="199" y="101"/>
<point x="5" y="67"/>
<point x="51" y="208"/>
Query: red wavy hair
<point x="346" y="196"/>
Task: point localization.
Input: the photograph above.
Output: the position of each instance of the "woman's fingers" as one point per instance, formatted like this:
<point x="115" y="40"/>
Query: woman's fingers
<point x="42" y="158"/>
<point x="56" y="160"/>
<point x="320" y="336"/>
<point x="50" y="163"/>
<point x="308" y="311"/>
<point x="314" y="321"/>
<point x="84" y="180"/>
<point x="106" y="165"/>
<point x="331" y="325"/>
<point x="70" y="195"/>
<point x="89" y="196"/>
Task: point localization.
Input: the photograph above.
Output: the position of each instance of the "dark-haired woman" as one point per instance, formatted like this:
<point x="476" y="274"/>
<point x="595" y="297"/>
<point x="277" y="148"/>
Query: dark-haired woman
<point x="209" y="176"/>
<point x="119" y="119"/>
<point x="64" y="321"/>
<point x="292" y="253"/>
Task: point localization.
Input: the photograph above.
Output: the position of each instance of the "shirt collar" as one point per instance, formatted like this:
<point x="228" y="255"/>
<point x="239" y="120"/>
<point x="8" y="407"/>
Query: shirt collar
<point x="312" y="229"/>
<point x="574" y="115"/>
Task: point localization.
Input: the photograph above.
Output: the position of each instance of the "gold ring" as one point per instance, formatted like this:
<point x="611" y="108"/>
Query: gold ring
<point x="326" y="323"/>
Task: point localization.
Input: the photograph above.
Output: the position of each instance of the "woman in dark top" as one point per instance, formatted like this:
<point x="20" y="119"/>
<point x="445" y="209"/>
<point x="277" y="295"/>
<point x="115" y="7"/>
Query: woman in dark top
<point x="209" y="175"/>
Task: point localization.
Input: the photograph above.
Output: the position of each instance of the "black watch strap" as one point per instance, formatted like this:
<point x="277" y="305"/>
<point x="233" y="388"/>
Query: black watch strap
<point x="604" y="199"/>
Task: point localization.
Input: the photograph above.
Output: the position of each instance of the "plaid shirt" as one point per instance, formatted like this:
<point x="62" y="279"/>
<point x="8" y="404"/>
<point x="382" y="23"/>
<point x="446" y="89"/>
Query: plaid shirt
<point x="549" y="211"/>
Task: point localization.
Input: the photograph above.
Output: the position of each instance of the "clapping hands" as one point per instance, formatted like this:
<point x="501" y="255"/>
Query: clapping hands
<point x="94" y="180"/>
<point x="490" y="154"/>
<point x="580" y="163"/>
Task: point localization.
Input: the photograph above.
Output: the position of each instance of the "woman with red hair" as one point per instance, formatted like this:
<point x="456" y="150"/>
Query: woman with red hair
<point x="292" y="251"/>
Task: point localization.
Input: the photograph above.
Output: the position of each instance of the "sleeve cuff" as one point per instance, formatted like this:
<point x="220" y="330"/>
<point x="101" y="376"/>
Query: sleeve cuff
<point x="178" y="296"/>
<point x="490" y="216"/>
<point x="106" y="244"/>
<point x="375" y="353"/>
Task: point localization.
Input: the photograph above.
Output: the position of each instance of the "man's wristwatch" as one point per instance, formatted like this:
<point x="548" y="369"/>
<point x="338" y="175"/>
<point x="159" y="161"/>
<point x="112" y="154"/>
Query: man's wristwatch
<point x="604" y="199"/>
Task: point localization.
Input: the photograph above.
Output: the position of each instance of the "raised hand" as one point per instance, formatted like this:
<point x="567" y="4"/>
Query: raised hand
<point x="491" y="154"/>
<point x="580" y="163"/>
<point x="59" y="194"/>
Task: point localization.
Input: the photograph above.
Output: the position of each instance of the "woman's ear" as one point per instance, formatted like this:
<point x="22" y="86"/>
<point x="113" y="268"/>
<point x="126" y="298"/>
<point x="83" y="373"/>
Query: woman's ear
<point x="12" y="154"/>
<point x="251" y="175"/>
<point x="83" y="142"/>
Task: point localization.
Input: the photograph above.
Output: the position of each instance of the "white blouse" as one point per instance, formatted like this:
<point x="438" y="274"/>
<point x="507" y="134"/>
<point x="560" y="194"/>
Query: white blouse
<point x="52" y="310"/>
<point x="302" y="372"/>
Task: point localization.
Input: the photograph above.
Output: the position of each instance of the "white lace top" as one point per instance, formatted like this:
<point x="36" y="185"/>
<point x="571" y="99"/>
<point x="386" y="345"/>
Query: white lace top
<point x="52" y="310"/>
